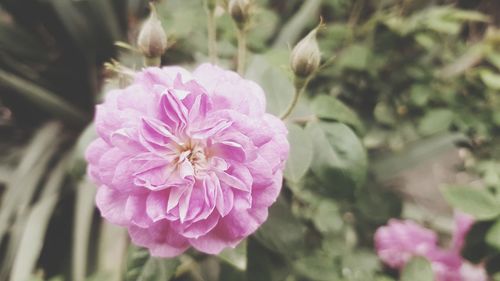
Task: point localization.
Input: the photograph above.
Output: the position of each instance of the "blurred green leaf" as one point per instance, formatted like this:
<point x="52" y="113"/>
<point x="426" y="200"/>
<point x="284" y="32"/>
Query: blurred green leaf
<point x="84" y="210"/>
<point x="477" y="202"/>
<point x="435" y="121"/>
<point x="236" y="257"/>
<point x="354" y="57"/>
<point x="264" y="264"/>
<point x="301" y="153"/>
<point x="490" y="79"/>
<point x="330" y="108"/>
<point x="29" y="172"/>
<point x="317" y="267"/>
<point x="269" y="75"/>
<point x="340" y="161"/>
<point x="282" y="232"/>
<point x="327" y="217"/>
<point x="384" y="113"/>
<point x="45" y="99"/>
<point x="418" y="269"/>
<point x="493" y="235"/>
<point x="142" y="267"/>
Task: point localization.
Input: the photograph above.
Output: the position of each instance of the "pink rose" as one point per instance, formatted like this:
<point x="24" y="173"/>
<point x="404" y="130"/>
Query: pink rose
<point x="399" y="241"/>
<point x="187" y="159"/>
<point x="463" y="224"/>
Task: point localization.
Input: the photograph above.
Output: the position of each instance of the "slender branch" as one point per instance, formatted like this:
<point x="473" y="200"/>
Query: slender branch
<point x="242" y="50"/>
<point x="212" y="35"/>
<point x="300" y="87"/>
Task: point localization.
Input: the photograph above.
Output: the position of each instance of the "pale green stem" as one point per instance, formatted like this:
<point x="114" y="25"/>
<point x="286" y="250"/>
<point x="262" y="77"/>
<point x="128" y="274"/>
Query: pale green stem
<point x="300" y="86"/>
<point x="152" y="61"/>
<point x="212" y="35"/>
<point x="242" y="50"/>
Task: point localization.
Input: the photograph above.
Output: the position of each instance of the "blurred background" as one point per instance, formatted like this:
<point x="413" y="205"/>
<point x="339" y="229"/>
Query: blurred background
<point x="417" y="82"/>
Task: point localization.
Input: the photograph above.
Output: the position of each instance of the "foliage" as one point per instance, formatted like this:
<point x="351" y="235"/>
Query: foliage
<point x="401" y="81"/>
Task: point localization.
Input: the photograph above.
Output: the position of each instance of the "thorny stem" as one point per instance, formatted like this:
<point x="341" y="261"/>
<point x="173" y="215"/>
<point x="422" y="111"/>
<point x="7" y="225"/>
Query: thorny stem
<point x="300" y="86"/>
<point x="212" y="35"/>
<point x="242" y="49"/>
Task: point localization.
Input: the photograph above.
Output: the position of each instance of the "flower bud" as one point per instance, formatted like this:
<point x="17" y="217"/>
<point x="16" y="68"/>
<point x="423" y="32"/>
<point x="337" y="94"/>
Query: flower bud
<point x="306" y="56"/>
<point x="211" y="4"/>
<point x="239" y="11"/>
<point x="152" y="40"/>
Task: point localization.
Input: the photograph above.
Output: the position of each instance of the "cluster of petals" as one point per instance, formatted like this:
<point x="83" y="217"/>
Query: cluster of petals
<point x="187" y="159"/>
<point x="400" y="240"/>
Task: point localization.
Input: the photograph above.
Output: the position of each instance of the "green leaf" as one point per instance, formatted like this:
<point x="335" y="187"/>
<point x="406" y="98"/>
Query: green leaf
<point x="377" y="204"/>
<point x="327" y="217"/>
<point x="384" y="114"/>
<point x="282" y="232"/>
<point x="29" y="172"/>
<point x="354" y="57"/>
<point x="318" y="267"/>
<point x="33" y="237"/>
<point x="78" y="164"/>
<point x="435" y="121"/>
<point x="490" y="79"/>
<point x="419" y="94"/>
<point x="330" y="108"/>
<point x="236" y="257"/>
<point x="266" y="70"/>
<point x="264" y="264"/>
<point x="301" y="153"/>
<point x="47" y="100"/>
<point x="477" y="202"/>
<point x="418" y="269"/>
<point x="340" y="161"/>
<point x="84" y="210"/>
<point x="493" y="235"/>
<point x="142" y="267"/>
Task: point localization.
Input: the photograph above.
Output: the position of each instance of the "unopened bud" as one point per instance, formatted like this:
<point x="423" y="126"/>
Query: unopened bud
<point x="306" y="56"/>
<point x="152" y="40"/>
<point x="239" y="11"/>
<point x="211" y="4"/>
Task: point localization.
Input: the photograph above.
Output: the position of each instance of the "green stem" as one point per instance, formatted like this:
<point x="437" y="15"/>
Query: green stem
<point x="242" y="50"/>
<point x="212" y="35"/>
<point x="300" y="87"/>
<point x="152" y="61"/>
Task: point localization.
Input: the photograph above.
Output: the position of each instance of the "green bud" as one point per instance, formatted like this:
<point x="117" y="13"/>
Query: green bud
<point x="306" y="56"/>
<point x="211" y="4"/>
<point x="152" y="40"/>
<point x="239" y="11"/>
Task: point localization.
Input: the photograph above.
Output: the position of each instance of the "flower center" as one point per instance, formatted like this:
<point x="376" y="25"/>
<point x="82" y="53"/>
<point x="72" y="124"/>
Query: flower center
<point x="195" y="154"/>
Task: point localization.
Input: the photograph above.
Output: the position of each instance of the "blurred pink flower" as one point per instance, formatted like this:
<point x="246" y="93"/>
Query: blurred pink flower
<point x="463" y="223"/>
<point x="399" y="241"/>
<point x="187" y="159"/>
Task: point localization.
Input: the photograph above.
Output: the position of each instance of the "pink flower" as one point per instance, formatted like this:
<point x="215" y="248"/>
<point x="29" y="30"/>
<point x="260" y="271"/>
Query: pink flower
<point x="399" y="241"/>
<point x="187" y="159"/>
<point x="463" y="223"/>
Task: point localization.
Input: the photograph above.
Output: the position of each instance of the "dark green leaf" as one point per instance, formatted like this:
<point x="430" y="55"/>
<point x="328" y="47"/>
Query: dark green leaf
<point x="264" y="264"/>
